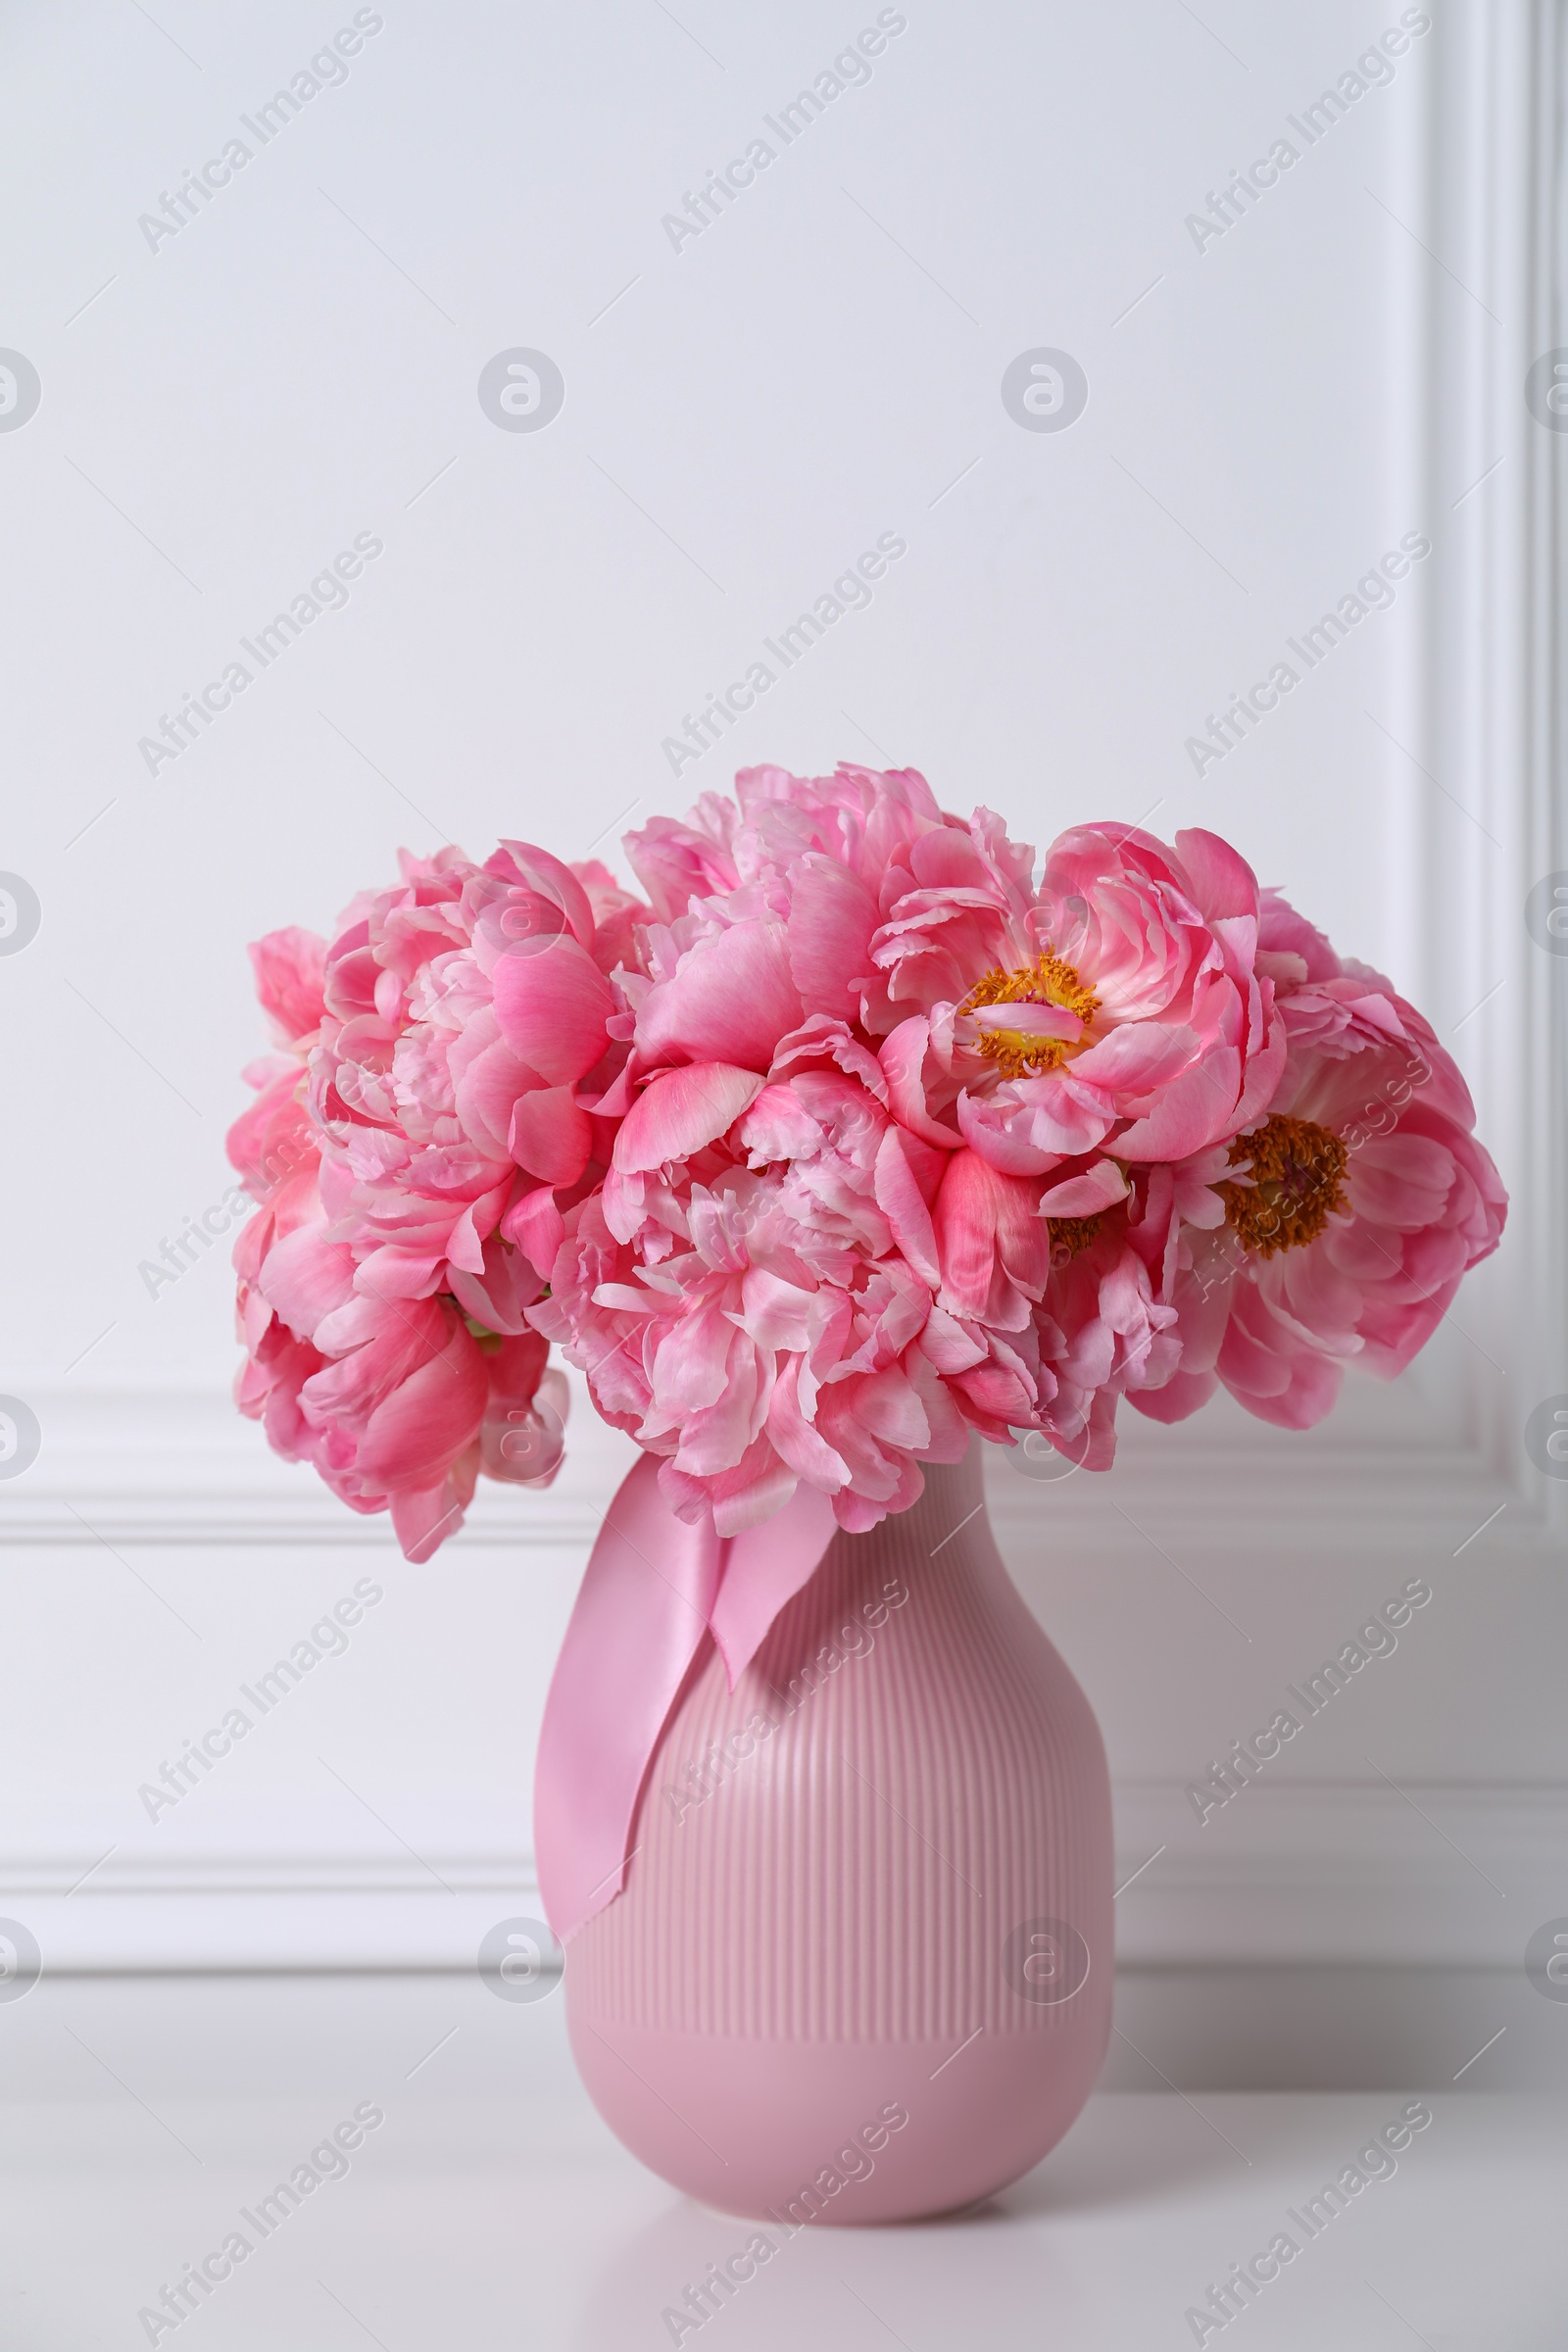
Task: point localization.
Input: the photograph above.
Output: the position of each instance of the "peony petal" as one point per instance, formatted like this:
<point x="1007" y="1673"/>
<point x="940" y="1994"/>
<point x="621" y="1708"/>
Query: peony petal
<point x="423" y="1518"/>
<point x="550" y="1135"/>
<point x="1029" y="1020"/>
<point x="487" y="1079"/>
<point x="554" y="882"/>
<point x="984" y="1217"/>
<point x="553" y="1002"/>
<point x="1181" y="1397"/>
<point x="902" y="1058"/>
<point x="427" y="1422"/>
<point x="898" y="1198"/>
<point x="1084" y="1196"/>
<point x="832" y="916"/>
<point x="682" y="1111"/>
<point x="1137" y="1058"/>
<point x="289" y="967"/>
<point x="1403" y="1181"/>
<point x="1027" y="1128"/>
<point x="305" y="1278"/>
<point x="1221" y="881"/>
<point x="1195" y="1111"/>
<point x="500" y="1297"/>
<point x="537" y="1227"/>
<point x="731" y="1000"/>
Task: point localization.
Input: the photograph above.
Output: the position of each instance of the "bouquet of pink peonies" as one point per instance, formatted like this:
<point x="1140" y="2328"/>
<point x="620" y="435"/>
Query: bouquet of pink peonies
<point x="848" y="1140"/>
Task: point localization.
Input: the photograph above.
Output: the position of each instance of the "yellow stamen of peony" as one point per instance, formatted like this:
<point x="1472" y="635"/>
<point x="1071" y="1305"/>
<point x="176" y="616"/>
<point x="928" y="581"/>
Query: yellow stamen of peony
<point x="1069" y="1235"/>
<point x="1297" y="1184"/>
<point x="1048" y="980"/>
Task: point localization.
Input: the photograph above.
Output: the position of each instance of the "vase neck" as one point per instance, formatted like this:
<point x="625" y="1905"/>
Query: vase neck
<point x="953" y="1498"/>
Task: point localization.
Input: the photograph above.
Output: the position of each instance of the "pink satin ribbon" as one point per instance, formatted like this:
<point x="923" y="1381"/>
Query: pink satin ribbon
<point x="654" y="1588"/>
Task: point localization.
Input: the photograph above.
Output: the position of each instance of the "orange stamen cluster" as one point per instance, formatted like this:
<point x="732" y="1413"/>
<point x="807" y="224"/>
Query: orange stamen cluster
<point x="1048" y="980"/>
<point x="1069" y="1235"/>
<point x="1297" y="1184"/>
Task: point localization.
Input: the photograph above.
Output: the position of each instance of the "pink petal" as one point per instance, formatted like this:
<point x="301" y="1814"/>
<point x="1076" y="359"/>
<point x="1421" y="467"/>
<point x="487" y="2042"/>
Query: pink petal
<point x="552" y="1003"/>
<point x="1083" y="1196"/>
<point x="820" y="1039"/>
<point x="797" y="1439"/>
<point x="1194" y="1111"/>
<point x="379" y="1343"/>
<point x="1137" y="1058"/>
<point x="500" y="1297"/>
<point x="426" y="1423"/>
<point x="1030" y="1020"/>
<point x="550" y="1136"/>
<point x="898" y="1198"/>
<point x="1402" y="1180"/>
<point x="832" y="916"/>
<point x="1025" y="1129"/>
<point x="537" y="1227"/>
<point x="779" y="1126"/>
<point x="1299" y="1389"/>
<point x="902" y="1058"/>
<point x="487" y="1079"/>
<point x="305" y="1278"/>
<point x="289" y="967"/>
<point x="682" y="1111"/>
<point x="1222" y="882"/>
<point x="1181" y="1397"/>
<point x="422" y="1519"/>
<point x="731" y="1000"/>
<point x="555" y="883"/>
<point x="947" y="1344"/>
<point x="982" y="1216"/>
<point x="888" y="1405"/>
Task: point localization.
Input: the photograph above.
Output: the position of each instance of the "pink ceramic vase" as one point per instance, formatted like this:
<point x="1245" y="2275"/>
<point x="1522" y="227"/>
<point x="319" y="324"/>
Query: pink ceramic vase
<point x="861" y="1969"/>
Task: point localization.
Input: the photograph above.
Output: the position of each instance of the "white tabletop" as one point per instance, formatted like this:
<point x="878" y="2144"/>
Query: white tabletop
<point x="490" y="2208"/>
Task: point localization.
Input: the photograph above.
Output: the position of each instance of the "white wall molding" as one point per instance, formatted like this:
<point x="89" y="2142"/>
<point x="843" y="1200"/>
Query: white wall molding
<point x="1486" y="803"/>
<point x="1355" y="1871"/>
<point x="1343" y="1874"/>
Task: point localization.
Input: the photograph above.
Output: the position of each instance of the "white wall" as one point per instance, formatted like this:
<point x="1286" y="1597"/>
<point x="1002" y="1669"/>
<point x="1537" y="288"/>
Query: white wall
<point x="743" y="417"/>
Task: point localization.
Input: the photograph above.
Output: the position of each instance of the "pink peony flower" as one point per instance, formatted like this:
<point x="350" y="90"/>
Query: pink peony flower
<point x="751" y="1312"/>
<point x="410" y="1149"/>
<point x="1114" y="1009"/>
<point x="801" y="1265"/>
<point x="1336" y="1229"/>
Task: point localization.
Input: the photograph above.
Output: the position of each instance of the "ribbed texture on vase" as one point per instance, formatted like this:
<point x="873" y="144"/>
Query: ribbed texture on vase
<point x="857" y="1876"/>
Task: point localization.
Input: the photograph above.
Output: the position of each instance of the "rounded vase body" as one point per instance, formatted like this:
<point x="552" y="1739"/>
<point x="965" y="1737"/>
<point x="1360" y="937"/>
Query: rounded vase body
<point x="861" y="1969"/>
